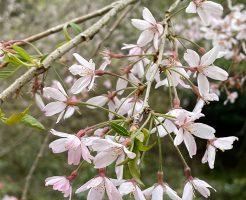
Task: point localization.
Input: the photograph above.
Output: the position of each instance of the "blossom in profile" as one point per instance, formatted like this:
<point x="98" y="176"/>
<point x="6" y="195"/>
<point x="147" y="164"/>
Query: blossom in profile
<point x="76" y="145"/>
<point x="131" y="187"/>
<point x="207" y="10"/>
<point x="63" y="104"/>
<point x="152" y="30"/>
<point x="223" y="143"/>
<point x="98" y="186"/>
<point x="194" y="183"/>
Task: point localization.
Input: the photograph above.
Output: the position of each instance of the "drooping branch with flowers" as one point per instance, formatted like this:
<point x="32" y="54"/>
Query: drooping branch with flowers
<point x="133" y="127"/>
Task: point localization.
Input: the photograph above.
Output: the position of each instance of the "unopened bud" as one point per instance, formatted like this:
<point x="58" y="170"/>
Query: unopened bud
<point x="202" y="50"/>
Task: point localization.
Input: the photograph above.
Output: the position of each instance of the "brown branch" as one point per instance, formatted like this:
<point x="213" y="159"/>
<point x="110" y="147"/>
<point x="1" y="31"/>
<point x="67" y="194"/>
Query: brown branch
<point x="84" y="36"/>
<point x="34" y="166"/>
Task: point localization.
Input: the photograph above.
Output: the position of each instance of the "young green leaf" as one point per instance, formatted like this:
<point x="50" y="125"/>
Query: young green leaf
<point x="16" y="118"/>
<point x="22" y="53"/>
<point x="8" y="71"/>
<point x="65" y="32"/>
<point x="119" y="129"/>
<point x="75" y="27"/>
<point x="32" y="122"/>
<point x="142" y="147"/>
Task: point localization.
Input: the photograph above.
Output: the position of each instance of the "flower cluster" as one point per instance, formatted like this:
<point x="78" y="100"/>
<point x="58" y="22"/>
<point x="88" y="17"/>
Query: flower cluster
<point x="123" y="138"/>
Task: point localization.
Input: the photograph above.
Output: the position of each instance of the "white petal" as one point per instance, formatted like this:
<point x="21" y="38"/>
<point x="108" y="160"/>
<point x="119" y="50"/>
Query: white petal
<point x="91" y="183"/>
<point x="104" y="159"/>
<point x="141" y="24"/>
<point x="121" y="84"/>
<point x="138" y="194"/>
<point x="224" y="143"/>
<point x="129" y="154"/>
<point x="202" y="131"/>
<point x="102" y="144"/>
<point x="69" y="112"/>
<point x="192" y="58"/>
<point x="54" y="94"/>
<point x="201" y="187"/>
<point x="188" y="192"/>
<point x="190" y="144"/>
<point x="98" y="100"/>
<point x="179" y="137"/>
<point x="39" y="101"/>
<point x="145" y="37"/>
<point x="191" y="8"/>
<point x="76" y="69"/>
<point x="210" y="56"/>
<point x="157" y="193"/>
<point x="147" y="15"/>
<point x="204" y="16"/>
<point x="171" y="193"/>
<point x="54" y="108"/>
<point x="60" y="134"/>
<point x="80" y="84"/>
<point x="84" y="62"/>
<point x="74" y="156"/>
<point x="96" y="193"/>
<point x="119" y="169"/>
<point x="147" y="192"/>
<point x="58" y="146"/>
<point x="112" y="192"/>
<point x="215" y="73"/>
<point x="203" y="84"/>
<point x="211" y="156"/>
<point x="60" y="87"/>
<point x="126" y="188"/>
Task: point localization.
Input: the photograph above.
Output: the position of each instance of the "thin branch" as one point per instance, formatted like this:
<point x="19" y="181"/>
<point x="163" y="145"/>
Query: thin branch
<point x="33" y="167"/>
<point x="84" y="36"/>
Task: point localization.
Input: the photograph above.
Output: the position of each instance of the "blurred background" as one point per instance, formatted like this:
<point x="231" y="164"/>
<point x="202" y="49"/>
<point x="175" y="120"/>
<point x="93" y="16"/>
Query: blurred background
<point x="19" y="145"/>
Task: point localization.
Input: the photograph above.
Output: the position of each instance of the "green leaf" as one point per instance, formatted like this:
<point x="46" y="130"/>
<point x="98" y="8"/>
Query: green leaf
<point x="16" y="118"/>
<point x="146" y="134"/>
<point x="7" y="72"/>
<point x="65" y="32"/>
<point x="142" y="147"/>
<point x="1" y="114"/>
<point x="22" y="53"/>
<point x="32" y="122"/>
<point x="119" y="129"/>
<point x="75" y="27"/>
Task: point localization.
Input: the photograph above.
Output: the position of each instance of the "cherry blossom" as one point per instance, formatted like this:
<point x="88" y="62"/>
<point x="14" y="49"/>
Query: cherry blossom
<point x="231" y="97"/>
<point x="157" y="191"/>
<point x="188" y="128"/>
<point x="207" y="10"/>
<point x="97" y="187"/>
<point x="166" y="127"/>
<point x="109" y="151"/>
<point x="63" y="104"/>
<point x="224" y="143"/>
<point x="128" y="106"/>
<point x="60" y="183"/>
<point x="7" y="197"/>
<point x="74" y="144"/>
<point x="87" y="71"/>
<point x="194" y="183"/>
<point x="151" y="29"/>
<point x="131" y="187"/>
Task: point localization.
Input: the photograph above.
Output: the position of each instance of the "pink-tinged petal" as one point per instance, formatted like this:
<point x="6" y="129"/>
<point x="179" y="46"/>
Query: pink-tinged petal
<point x="156" y="41"/>
<point x="202" y="131"/>
<point x="210" y="56"/>
<point x="160" y="29"/>
<point x="84" y="62"/>
<point x="58" y="146"/>
<point x="206" y="19"/>
<point x="52" y="180"/>
<point x="69" y="112"/>
<point x="171" y="193"/>
<point x="192" y="58"/>
<point x="201" y="187"/>
<point x="74" y="156"/>
<point x="96" y="193"/>
<point x="148" y="192"/>
<point x="60" y="87"/>
<point x="129" y="154"/>
<point x="60" y="116"/>
<point x="92" y="82"/>
<point x="141" y="24"/>
<point x="203" y="84"/>
<point x="89" y="184"/>
<point x="190" y="143"/>
<point x="102" y="144"/>
<point x="224" y="143"/>
<point x="111" y="107"/>
<point x="205" y="157"/>
<point x="211" y="156"/>
<point x="54" y="94"/>
<point x="80" y="84"/>
<point x="138" y="194"/>
<point x="86" y="153"/>
<point x="60" y="134"/>
<point x="54" y="108"/>
<point x="126" y="188"/>
<point x="104" y="159"/>
<point x="179" y="137"/>
<point x="191" y="8"/>
<point x="188" y="192"/>
<point x="98" y="100"/>
<point x="112" y="192"/>
<point x="39" y="102"/>
<point x="214" y="9"/>
<point x="121" y="84"/>
<point x="119" y="168"/>
<point x="138" y="69"/>
<point x="145" y="37"/>
<point x="147" y="15"/>
<point x="157" y="193"/>
<point x="133" y="78"/>
<point x="215" y="73"/>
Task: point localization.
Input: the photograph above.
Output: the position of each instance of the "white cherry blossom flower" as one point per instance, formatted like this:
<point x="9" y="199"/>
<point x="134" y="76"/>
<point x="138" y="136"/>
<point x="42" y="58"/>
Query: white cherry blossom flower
<point x="231" y="97"/>
<point x="86" y="70"/>
<point x="157" y="191"/>
<point x="98" y="186"/>
<point x="108" y="152"/>
<point x="60" y="183"/>
<point x="207" y="10"/>
<point x="128" y="106"/>
<point x="63" y="104"/>
<point x="194" y="183"/>
<point x="76" y="145"/>
<point x="152" y="30"/>
<point x="131" y="187"/>
<point x="223" y="143"/>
